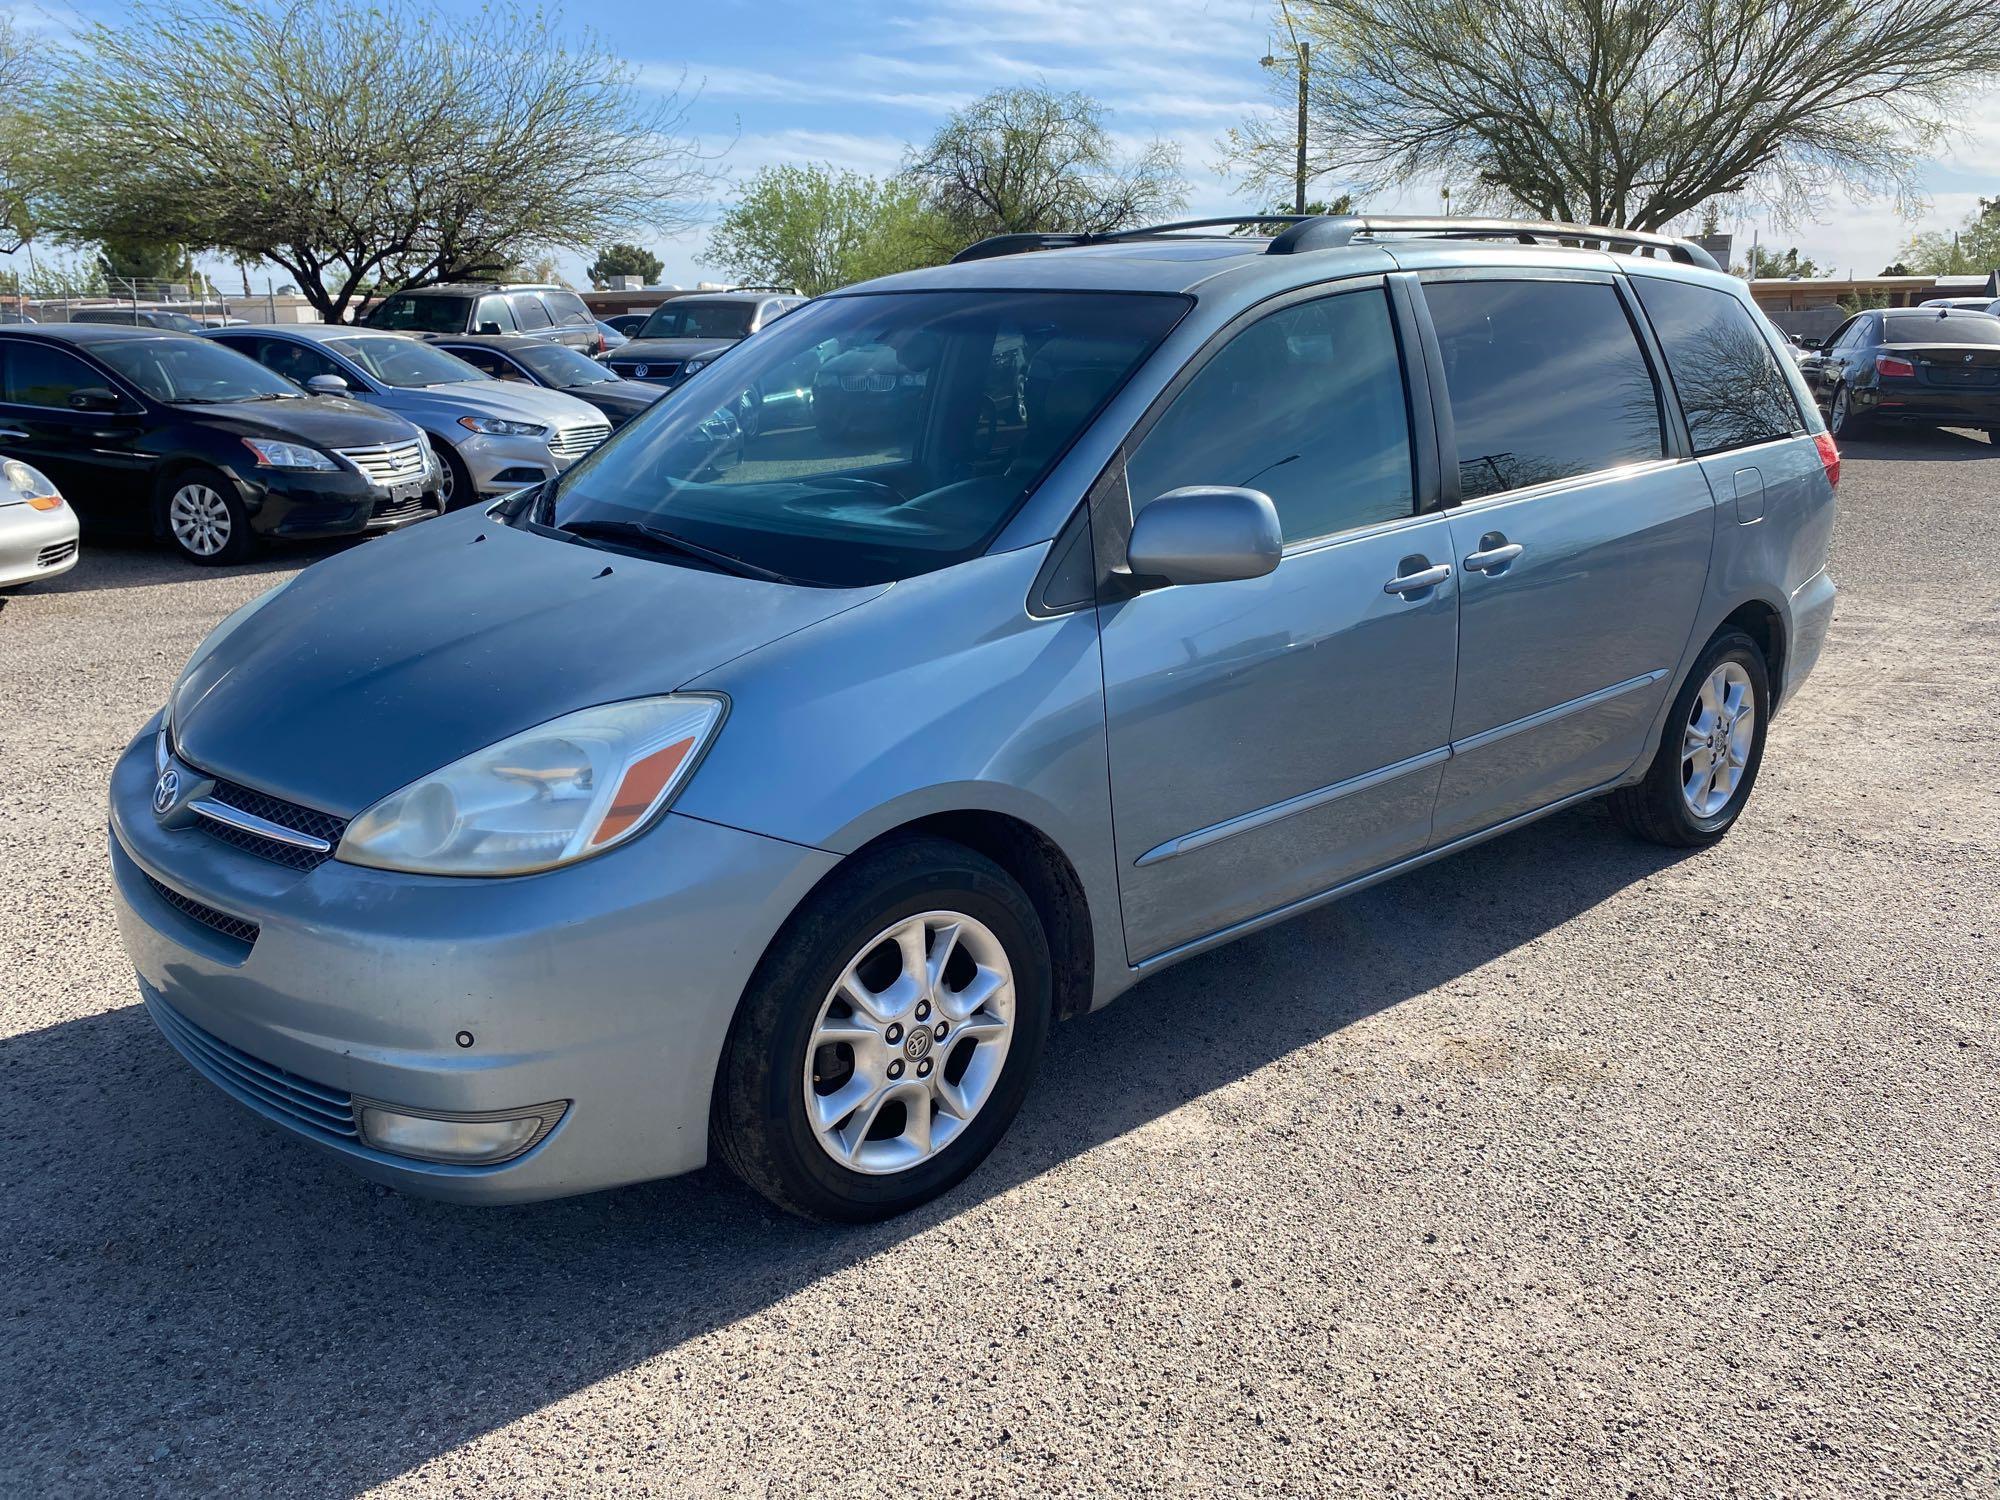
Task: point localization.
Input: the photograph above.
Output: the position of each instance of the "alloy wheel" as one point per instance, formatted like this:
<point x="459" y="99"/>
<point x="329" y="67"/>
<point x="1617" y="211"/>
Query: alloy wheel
<point x="1841" y="411"/>
<point x="1715" y="744"/>
<point x="199" y="518"/>
<point x="909" y="1043"/>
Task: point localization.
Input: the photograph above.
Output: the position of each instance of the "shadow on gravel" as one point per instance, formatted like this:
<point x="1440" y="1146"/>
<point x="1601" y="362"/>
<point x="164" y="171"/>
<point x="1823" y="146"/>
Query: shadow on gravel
<point x="193" y="1300"/>
<point x="1921" y="445"/>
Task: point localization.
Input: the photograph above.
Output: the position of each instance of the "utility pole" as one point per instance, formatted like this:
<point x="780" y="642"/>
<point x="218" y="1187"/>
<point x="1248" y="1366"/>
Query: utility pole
<point x="1302" y="57"/>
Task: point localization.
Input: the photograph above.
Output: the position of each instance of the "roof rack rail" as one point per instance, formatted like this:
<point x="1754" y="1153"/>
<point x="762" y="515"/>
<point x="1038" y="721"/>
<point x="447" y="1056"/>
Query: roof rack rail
<point x="1328" y="231"/>
<point x="1015" y="244"/>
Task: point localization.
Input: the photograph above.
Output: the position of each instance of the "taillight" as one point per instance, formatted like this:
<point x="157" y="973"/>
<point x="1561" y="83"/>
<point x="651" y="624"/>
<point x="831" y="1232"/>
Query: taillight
<point x="1889" y="364"/>
<point x="1829" y="457"/>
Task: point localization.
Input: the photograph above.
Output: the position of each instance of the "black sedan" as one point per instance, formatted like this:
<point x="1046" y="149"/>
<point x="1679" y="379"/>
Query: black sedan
<point x="149" y="432"/>
<point x="1937" y="366"/>
<point x="556" y="366"/>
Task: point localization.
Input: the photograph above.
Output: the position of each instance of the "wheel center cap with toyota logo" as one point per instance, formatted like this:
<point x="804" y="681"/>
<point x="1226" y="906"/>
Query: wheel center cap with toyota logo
<point x="917" y="1045"/>
<point x="166" y="791"/>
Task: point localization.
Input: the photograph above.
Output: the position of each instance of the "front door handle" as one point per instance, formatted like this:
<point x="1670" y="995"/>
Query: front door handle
<point x="14" y="433"/>
<point x="1494" y="554"/>
<point x="1416" y="582"/>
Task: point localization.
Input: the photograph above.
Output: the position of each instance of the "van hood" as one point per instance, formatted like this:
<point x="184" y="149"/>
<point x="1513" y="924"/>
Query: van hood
<point x="394" y="658"/>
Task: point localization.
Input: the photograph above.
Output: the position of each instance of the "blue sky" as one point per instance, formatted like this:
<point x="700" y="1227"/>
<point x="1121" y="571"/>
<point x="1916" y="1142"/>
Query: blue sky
<point x="853" y="84"/>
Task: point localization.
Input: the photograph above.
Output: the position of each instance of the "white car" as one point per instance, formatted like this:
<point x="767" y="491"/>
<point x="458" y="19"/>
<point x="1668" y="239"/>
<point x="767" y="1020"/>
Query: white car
<point x="37" y="530"/>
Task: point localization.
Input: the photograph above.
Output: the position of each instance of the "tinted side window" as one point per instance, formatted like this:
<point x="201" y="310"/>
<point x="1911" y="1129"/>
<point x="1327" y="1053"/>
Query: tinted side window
<point x="1546" y="378"/>
<point x="1306" y="405"/>
<point x="40" y="376"/>
<point x="1724" y="372"/>
<point x="568" y="309"/>
<point x="296" y="362"/>
<point x="528" y="308"/>
<point x="494" y="310"/>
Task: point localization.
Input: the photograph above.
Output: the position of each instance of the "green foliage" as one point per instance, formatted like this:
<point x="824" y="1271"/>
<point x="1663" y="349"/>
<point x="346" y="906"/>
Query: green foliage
<point x="127" y="259"/>
<point x="353" y="143"/>
<point x="1974" y="249"/>
<point x="816" y="228"/>
<point x="1032" y="159"/>
<point x="1765" y="262"/>
<point x="1856" y="302"/>
<point x="624" y="259"/>
<point x="1344" y="204"/>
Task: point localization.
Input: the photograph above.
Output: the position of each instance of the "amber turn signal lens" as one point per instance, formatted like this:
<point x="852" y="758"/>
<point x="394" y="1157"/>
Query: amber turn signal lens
<point x="45" y="502"/>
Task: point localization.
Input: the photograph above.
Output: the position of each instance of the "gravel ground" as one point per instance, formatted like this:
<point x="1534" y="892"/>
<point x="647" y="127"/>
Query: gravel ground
<point x="1568" y="1166"/>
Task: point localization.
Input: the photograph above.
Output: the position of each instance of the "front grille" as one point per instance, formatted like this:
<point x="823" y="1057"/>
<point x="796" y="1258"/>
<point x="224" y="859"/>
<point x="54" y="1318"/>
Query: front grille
<point x="312" y="1107"/>
<point x="390" y="463"/>
<point x="55" y="552"/>
<point x="665" y="369"/>
<point x="574" y="442"/>
<point x="306" y="820"/>
<point x="230" y="927"/>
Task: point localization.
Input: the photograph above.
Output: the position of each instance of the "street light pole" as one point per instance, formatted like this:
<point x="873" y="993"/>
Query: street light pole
<point x="1299" y="183"/>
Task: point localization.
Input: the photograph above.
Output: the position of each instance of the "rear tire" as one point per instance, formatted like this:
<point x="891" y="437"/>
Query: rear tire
<point x="1683" y="802"/>
<point x="204" y="518"/>
<point x="1844" y="421"/>
<point x="799" y="1037"/>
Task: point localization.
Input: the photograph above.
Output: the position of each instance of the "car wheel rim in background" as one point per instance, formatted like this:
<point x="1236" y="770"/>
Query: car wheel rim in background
<point x="1840" y="411"/>
<point x="1715" y="745"/>
<point x="200" y="519"/>
<point x="909" y="1043"/>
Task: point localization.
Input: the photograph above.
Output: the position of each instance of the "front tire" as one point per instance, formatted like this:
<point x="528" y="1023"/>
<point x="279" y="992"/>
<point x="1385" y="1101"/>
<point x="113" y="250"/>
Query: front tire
<point x="836" y="1097"/>
<point x="1701" y="776"/>
<point x="455" y="480"/>
<point x="204" y="518"/>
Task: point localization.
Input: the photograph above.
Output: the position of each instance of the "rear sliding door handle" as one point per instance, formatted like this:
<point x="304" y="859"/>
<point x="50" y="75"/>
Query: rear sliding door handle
<point x="1417" y="582"/>
<point x="1492" y="559"/>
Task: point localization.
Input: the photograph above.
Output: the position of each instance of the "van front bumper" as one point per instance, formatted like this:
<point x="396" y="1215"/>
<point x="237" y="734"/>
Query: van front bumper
<point x="606" y="988"/>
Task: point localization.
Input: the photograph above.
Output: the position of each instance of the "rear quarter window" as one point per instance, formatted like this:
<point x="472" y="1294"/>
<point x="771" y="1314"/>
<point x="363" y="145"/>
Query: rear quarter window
<point x="568" y="309"/>
<point x="1724" y="371"/>
<point x="529" y="310"/>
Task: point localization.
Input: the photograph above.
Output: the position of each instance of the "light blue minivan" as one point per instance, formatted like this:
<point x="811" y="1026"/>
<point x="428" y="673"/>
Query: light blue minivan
<point x="768" y="787"/>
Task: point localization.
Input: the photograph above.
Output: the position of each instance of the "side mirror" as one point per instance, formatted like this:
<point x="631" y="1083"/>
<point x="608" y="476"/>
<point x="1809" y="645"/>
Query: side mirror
<point x="94" y="398"/>
<point x="489" y="328"/>
<point x="326" y="385"/>
<point x="1206" y="534"/>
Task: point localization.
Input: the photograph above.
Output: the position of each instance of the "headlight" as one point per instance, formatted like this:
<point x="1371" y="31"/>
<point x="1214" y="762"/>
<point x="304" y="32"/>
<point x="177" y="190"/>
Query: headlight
<point x="275" y="455"/>
<point x="571" y="788"/>
<point x="503" y="427"/>
<point x="19" y="481"/>
<point x="692" y="365"/>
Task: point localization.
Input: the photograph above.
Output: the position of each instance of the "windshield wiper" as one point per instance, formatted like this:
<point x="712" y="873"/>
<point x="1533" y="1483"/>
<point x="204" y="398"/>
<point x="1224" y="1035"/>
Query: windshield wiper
<point x="665" y="541"/>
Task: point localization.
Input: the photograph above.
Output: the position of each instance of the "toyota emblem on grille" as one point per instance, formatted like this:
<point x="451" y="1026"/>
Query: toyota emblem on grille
<point x="640" y="370"/>
<point x="166" y="791"/>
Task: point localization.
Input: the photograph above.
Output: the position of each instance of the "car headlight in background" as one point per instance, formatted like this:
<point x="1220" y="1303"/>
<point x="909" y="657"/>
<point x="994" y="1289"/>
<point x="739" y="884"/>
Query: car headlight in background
<point x="503" y="427"/>
<point x="275" y="455"/>
<point x="693" y="365"/>
<point x="563" y="791"/>
<point x="19" y="481"/>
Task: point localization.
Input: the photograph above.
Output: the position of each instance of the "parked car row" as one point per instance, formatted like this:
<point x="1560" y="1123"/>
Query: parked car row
<point x="1936" y="365"/>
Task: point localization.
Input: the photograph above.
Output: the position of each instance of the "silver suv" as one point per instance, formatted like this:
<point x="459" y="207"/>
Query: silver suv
<point x="532" y="309"/>
<point x="769" y="795"/>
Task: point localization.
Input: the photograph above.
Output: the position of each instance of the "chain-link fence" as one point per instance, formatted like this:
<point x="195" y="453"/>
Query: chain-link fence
<point x="118" y="299"/>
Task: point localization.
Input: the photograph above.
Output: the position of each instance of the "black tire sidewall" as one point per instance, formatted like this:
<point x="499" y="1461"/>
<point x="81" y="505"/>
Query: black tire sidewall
<point x="764" y="1062"/>
<point x="1732" y="645"/>
<point x="462" y="492"/>
<point x="242" y="540"/>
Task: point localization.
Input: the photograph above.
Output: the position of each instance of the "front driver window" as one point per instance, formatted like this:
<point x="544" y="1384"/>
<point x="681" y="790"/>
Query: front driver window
<point x="1306" y="405"/>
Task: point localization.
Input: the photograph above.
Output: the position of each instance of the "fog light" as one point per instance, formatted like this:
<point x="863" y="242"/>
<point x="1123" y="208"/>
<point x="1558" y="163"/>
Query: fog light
<point x="463" y="1139"/>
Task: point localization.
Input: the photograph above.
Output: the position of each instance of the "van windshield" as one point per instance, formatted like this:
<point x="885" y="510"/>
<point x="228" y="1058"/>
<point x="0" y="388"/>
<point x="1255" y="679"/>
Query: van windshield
<point x="871" y="437"/>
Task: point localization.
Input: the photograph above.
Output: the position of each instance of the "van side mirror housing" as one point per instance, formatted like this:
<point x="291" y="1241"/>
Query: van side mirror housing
<point x="326" y="385"/>
<point x="489" y="328"/>
<point x="94" y="398"/>
<point x="1205" y="534"/>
